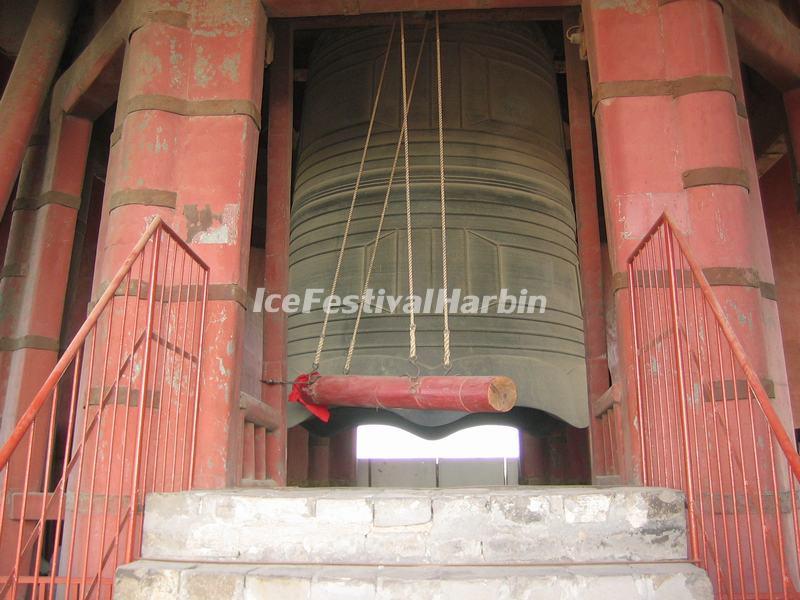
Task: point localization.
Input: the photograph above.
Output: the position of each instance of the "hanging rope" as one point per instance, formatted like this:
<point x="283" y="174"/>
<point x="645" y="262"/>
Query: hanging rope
<point x="443" y="211"/>
<point x="339" y="260"/>
<point x="412" y="325"/>
<point x="379" y="230"/>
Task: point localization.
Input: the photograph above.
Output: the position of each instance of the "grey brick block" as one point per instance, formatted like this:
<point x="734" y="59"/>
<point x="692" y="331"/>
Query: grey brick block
<point x="667" y="581"/>
<point x="435" y="526"/>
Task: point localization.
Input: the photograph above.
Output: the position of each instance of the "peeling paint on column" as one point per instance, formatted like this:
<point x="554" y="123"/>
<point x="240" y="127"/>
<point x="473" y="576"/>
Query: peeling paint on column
<point x="206" y="227"/>
<point x="632" y="6"/>
<point x="150" y="65"/>
<point x="175" y="64"/>
<point x="230" y="66"/>
<point x="742" y="317"/>
<point x="203" y="71"/>
<point x="223" y="371"/>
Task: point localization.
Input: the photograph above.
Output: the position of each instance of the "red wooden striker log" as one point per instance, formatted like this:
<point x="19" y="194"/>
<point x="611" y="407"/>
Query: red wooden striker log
<point x="447" y="392"/>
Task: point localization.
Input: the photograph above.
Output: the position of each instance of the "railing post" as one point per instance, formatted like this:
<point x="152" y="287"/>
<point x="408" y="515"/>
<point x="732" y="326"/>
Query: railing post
<point x="636" y="350"/>
<point x="687" y="459"/>
<point x="137" y="456"/>
<point x="198" y="379"/>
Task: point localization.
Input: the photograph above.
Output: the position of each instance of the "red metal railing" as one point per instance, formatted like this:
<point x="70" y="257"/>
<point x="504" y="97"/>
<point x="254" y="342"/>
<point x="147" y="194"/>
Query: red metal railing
<point x="114" y="420"/>
<point x="708" y="427"/>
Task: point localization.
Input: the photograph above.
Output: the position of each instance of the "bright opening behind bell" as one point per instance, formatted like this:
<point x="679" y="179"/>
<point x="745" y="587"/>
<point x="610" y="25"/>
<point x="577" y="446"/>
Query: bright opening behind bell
<point x="484" y="441"/>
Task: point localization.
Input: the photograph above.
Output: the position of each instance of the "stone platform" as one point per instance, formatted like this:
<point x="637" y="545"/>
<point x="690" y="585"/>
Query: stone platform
<point x="524" y="542"/>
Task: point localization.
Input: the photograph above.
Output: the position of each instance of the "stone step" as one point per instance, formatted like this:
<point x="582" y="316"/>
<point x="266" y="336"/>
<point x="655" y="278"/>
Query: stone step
<point x="503" y="525"/>
<point x="665" y="581"/>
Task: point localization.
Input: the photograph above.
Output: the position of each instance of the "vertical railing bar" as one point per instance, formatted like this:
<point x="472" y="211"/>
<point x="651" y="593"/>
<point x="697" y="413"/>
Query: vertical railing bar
<point x="656" y="402"/>
<point x="73" y="409"/>
<point x="162" y="402"/>
<point x="731" y="473"/>
<point x="639" y="278"/>
<point x="657" y="375"/>
<point x="45" y="487"/>
<point x="21" y="530"/>
<point x="126" y="420"/>
<point x="161" y="340"/>
<point x="636" y="349"/>
<point x="795" y="522"/>
<point x="181" y="361"/>
<point x="682" y="402"/>
<point x="140" y="420"/>
<point x="196" y="283"/>
<point x="762" y="519"/>
<point x="188" y="357"/>
<point x="778" y="516"/>
<point x="650" y="406"/>
<point x="696" y="387"/>
<point x="114" y="409"/>
<point x="707" y="435"/>
<point x="682" y="340"/>
<point x="607" y="438"/>
<point x="200" y="344"/>
<point x="82" y="445"/>
<point x="678" y="390"/>
<point x="673" y="479"/>
<point x="672" y="395"/>
<point x="168" y="401"/>
<point x="745" y="482"/>
<point x="717" y="447"/>
<point x="4" y="498"/>
<point x="611" y="416"/>
<point x="647" y="408"/>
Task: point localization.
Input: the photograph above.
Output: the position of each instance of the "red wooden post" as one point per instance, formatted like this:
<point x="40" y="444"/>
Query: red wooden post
<point x="533" y="459"/>
<point x="343" y="458"/>
<point x="780" y="189"/>
<point x="276" y="260"/>
<point x="297" y="456"/>
<point x="673" y="135"/>
<point x="319" y="460"/>
<point x="589" y="251"/>
<point x="34" y="282"/>
<point x="178" y="165"/>
<point x="28" y="85"/>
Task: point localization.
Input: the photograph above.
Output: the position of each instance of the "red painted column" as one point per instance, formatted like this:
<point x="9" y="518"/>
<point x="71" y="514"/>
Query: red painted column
<point x="672" y="135"/>
<point x="589" y="255"/>
<point x="533" y="459"/>
<point x="782" y="197"/>
<point x="297" y="456"/>
<point x="36" y="268"/>
<point x="343" y="458"/>
<point x="276" y="261"/>
<point x="783" y="225"/>
<point x="319" y="460"/>
<point x="184" y="148"/>
<point x="33" y="282"/>
<point x="23" y="97"/>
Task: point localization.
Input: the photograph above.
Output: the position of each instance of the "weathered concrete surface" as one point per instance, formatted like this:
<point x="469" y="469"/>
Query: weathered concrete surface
<point x="439" y="527"/>
<point x="149" y="580"/>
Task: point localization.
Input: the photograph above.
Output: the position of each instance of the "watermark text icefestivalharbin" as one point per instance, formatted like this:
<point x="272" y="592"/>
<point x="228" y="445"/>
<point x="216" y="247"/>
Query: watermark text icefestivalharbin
<point x="378" y="301"/>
